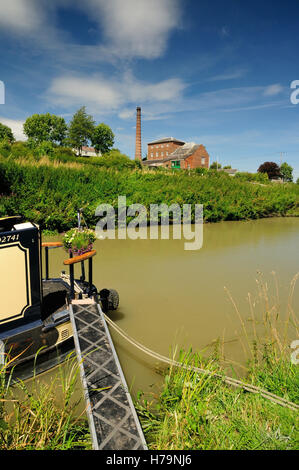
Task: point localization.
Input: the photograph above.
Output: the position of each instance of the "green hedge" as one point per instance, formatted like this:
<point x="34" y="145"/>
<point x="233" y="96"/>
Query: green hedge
<point x="50" y="193"/>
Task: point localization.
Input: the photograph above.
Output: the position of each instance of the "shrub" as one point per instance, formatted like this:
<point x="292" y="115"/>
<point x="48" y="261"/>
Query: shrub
<point x="271" y="168"/>
<point x="49" y="192"/>
<point x="44" y="148"/>
<point x="252" y="177"/>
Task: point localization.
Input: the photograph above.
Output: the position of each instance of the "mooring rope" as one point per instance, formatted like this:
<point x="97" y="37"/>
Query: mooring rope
<point x="228" y="380"/>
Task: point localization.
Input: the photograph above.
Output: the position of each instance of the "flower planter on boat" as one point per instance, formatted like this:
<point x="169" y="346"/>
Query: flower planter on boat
<point x="78" y="241"/>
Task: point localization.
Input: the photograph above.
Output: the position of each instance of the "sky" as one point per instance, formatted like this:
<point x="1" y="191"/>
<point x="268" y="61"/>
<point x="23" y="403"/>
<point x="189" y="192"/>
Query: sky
<point x="214" y="73"/>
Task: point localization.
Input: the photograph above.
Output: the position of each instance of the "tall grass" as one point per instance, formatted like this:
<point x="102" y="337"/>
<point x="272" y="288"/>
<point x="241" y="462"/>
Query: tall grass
<point x="49" y="192"/>
<point x="194" y="411"/>
<point x="31" y="417"/>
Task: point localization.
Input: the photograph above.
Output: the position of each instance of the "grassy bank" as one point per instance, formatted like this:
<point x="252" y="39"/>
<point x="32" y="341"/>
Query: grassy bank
<point x="42" y="416"/>
<point x="49" y="191"/>
<point x="200" y="411"/>
<point x="190" y="410"/>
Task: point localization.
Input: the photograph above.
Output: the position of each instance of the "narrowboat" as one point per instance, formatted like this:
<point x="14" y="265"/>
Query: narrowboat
<point x="35" y="326"/>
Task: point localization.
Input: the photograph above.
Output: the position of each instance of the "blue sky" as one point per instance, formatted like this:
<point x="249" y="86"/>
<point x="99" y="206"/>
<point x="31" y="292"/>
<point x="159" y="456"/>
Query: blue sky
<point x="216" y="73"/>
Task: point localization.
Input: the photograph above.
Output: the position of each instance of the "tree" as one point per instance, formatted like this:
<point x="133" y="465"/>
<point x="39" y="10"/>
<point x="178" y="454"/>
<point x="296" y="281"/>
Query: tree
<point x="6" y="133"/>
<point x="271" y="168"/>
<point x="102" y="138"/>
<point x="215" y="166"/>
<point x="286" y="172"/>
<point x="81" y="129"/>
<point x="45" y="127"/>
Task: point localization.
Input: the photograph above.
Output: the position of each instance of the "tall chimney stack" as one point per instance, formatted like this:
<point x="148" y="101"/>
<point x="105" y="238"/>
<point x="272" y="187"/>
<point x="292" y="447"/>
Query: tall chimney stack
<point x="138" y="155"/>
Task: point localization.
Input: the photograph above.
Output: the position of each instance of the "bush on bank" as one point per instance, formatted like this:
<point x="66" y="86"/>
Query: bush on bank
<point x="49" y="191"/>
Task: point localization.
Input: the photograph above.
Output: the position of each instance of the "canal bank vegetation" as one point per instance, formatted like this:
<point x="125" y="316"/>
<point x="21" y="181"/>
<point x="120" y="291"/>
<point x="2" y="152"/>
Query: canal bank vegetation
<point x="48" y="191"/>
<point x="191" y="410"/>
<point x="197" y="412"/>
<point x="36" y="415"/>
<point x="203" y="412"/>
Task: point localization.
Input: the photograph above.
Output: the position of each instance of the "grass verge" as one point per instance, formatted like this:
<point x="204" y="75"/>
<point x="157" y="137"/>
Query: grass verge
<point x="31" y="418"/>
<point x="201" y="412"/>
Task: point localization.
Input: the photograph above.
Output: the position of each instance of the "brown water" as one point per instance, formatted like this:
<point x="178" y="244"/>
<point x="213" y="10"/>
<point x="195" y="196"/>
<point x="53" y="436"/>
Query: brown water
<point x="169" y="296"/>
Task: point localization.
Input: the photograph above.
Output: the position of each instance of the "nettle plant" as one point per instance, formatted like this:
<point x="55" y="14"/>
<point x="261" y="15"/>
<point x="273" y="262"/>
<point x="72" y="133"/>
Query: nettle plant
<point x="79" y="240"/>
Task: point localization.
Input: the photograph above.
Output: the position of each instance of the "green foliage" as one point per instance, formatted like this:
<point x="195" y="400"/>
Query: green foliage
<point x="215" y="166"/>
<point x="201" y="171"/>
<point x="271" y="168"/>
<point x="35" y="421"/>
<point x="6" y="133"/>
<point x="20" y="149"/>
<point x="286" y="172"/>
<point x="49" y="192"/>
<point x="5" y="147"/>
<point x="63" y="152"/>
<point x="44" y="148"/>
<point x="198" y="412"/>
<point x="81" y="129"/>
<point x="45" y="127"/>
<point x="252" y="177"/>
<point x="102" y="138"/>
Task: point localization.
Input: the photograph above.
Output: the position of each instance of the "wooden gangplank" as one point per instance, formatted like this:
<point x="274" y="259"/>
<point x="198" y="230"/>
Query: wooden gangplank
<point x="113" y="420"/>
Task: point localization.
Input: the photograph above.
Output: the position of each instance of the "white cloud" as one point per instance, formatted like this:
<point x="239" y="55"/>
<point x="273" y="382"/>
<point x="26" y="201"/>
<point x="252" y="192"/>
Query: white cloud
<point x="16" y="127"/>
<point x="103" y="94"/>
<point x="273" y="90"/>
<point x="130" y="28"/>
<point x="135" y="28"/>
<point x="24" y="16"/>
<point x="228" y="76"/>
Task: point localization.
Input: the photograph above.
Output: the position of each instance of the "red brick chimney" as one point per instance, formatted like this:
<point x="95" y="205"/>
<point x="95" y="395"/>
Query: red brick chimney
<point x="138" y="155"/>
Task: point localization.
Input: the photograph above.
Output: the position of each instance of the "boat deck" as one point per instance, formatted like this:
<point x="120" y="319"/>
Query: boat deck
<point x="112" y="417"/>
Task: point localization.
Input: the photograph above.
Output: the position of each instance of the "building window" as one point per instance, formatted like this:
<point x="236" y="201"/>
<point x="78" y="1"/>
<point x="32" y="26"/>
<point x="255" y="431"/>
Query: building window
<point x="203" y="160"/>
<point x="176" y="164"/>
<point x="152" y="155"/>
<point x="167" y="154"/>
<point x="162" y="154"/>
<point x="157" y="154"/>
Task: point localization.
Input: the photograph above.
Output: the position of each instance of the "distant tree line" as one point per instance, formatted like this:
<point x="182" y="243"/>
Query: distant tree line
<point x="44" y="131"/>
<point x="274" y="171"/>
<point x="271" y="169"/>
<point x="47" y="130"/>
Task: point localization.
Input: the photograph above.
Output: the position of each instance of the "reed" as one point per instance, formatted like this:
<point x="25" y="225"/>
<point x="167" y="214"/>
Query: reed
<point x="31" y="418"/>
<point x="193" y="411"/>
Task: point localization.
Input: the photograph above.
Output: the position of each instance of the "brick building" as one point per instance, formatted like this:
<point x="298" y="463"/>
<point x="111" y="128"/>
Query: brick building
<point x="173" y="153"/>
<point x="160" y="149"/>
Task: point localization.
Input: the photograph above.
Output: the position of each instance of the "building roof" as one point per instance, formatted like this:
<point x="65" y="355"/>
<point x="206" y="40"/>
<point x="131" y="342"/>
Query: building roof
<point x="166" y="139"/>
<point x="152" y="161"/>
<point x="230" y="171"/>
<point x="183" y="152"/>
<point x="88" y="149"/>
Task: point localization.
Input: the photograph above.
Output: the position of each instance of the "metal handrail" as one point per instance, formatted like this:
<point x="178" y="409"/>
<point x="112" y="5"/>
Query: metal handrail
<point x="47" y="246"/>
<point x="80" y="259"/>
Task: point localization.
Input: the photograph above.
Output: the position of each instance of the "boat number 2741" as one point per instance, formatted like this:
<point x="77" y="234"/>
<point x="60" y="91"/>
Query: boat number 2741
<point x="9" y="238"/>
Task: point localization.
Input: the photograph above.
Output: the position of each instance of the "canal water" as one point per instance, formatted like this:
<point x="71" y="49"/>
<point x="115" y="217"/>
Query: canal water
<point x="171" y="298"/>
